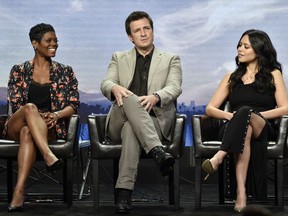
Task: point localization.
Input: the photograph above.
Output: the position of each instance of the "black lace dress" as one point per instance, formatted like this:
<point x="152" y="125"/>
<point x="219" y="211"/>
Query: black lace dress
<point x="245" y="100"/>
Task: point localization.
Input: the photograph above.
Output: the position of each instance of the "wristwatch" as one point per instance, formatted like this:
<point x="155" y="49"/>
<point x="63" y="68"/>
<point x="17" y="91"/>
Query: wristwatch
<point x="159" y="99"/>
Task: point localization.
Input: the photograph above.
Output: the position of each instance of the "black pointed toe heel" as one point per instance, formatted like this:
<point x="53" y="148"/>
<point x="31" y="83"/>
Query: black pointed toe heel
<point x="58" y="165"/>
<point x="13" y="208"/>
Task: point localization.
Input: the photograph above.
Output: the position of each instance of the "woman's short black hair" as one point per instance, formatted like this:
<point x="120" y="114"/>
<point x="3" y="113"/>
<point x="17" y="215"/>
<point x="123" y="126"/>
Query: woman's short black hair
<point x="36" y="32"/>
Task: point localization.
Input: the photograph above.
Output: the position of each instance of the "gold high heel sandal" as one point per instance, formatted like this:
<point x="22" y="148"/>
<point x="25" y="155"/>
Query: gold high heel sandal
<point x="208" y="168"/>
<point x="238" y="210"/>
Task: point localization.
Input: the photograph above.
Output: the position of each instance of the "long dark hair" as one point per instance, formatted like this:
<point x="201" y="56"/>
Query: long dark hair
<point x="267" y="61"/>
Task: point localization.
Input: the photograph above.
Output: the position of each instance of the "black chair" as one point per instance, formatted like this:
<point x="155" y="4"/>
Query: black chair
<point x="66" y="149"/>
<point x="206" y="144"/>
<point x="100" y="150"/>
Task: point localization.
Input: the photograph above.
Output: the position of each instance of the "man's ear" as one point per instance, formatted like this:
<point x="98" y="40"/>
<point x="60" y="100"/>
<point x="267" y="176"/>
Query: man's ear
<point x="130" y="38"/>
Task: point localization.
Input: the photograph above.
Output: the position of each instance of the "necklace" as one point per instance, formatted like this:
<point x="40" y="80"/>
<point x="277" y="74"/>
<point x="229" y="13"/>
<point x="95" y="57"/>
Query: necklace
<point x="248" y="78"/>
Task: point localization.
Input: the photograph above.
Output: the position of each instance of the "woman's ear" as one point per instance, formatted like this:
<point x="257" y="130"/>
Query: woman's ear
<point x="34" y="44"/>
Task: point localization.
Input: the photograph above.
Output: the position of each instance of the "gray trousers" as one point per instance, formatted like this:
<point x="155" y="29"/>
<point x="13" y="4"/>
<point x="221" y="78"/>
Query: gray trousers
<point x="132" y="125"/>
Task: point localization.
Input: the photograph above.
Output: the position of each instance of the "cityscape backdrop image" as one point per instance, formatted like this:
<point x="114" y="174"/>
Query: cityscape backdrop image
<point x="204" y="33"/>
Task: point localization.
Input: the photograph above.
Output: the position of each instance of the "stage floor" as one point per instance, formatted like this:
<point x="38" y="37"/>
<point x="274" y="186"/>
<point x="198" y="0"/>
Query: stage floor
<point x="147" y="200"/>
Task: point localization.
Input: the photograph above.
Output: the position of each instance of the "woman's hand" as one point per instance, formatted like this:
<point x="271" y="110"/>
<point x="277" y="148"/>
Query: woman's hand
<point x="229" y="115"/>
<point x="50" y="118"/>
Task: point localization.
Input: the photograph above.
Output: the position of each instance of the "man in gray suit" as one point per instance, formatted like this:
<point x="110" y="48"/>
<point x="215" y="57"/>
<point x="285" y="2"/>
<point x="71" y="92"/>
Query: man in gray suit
<point x="143" y="84"/>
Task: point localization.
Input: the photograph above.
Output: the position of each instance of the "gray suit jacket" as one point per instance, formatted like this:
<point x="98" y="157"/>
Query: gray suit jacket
<point x="165" y="79"/>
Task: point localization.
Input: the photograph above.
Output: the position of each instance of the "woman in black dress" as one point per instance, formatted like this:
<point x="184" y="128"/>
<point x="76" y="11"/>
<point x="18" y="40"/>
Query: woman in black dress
<point x="257" y="94"/>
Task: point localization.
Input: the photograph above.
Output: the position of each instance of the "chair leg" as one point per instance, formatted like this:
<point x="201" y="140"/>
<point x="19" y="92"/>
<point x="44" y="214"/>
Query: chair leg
<point x="198" y="183"/>
<point x="279" y="194"/>
<point x="68" y="182"/>
<point x="9" y="180"/>
<point x="221" y="184"/>
<point x="95" y="176"/>
<point x="84" y="177"/>
<point x="174" y="185"/>
<point x="171" y="187"/>
<point x="275" y="167"/>
<point x="115" y="176"/>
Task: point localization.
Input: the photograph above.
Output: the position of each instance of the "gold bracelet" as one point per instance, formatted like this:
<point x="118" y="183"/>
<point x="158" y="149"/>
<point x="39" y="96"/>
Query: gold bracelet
<point x="58" y="114"/>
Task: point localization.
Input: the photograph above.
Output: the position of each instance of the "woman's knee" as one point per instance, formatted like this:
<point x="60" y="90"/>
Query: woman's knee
<point x="256" y="118"/>
<point x="244" y="109"/>
<point x="257" y="122"/>
<point x="25" y="133"/>
<point x="30" y="108"/>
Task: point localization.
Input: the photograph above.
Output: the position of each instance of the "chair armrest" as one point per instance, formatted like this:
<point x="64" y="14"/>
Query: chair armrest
<point x="73" y="133"/>
<point x="281" y="139"/>
<point x="96" y="127"/>
<point x="67" y="147"/>
<point x="73" y="126"/>
<point x="205" y="129"/>
<point x="3" y="119"/>
<point x="177" y="145"/>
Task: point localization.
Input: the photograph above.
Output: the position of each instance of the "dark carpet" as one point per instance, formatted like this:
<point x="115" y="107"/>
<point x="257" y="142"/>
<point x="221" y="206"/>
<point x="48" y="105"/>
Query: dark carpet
<point x="150" y="197"/>
<point x="147" y="200"/>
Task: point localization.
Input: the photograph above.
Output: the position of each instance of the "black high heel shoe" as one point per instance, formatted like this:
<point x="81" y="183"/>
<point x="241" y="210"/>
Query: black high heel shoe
<point x="58" y="165"/>
<point x="13" y="208"/>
